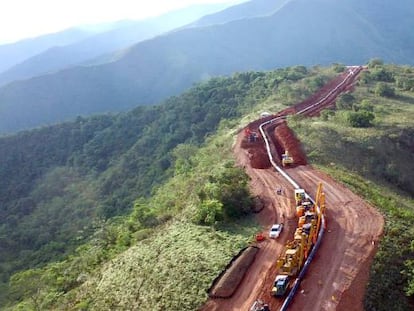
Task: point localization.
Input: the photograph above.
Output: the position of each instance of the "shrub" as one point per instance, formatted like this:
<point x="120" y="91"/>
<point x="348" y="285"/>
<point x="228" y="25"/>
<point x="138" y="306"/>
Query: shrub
<point x="384" y="90"/>
<point x="345" y="101"/>
<point x="361" y="118"/>
<point x="209" y="212"/>
<point x="375" y="62"/>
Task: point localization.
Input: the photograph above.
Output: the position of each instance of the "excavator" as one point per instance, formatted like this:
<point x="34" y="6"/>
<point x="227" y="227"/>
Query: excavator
<point x="289" y="265"/>
<point x="296" y="252"/>
<point x="250" y="135"/>
<point x="286" y="159"/>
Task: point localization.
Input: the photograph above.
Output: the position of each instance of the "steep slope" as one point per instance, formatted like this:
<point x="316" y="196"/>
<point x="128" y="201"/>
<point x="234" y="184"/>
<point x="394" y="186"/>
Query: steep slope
<point x="121" y="35"/>
<point x="301" y="32"/>
<point x="179" y="256"/>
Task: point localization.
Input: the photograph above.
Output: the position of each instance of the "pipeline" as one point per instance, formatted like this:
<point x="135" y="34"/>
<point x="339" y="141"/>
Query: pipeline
<point x="308" y="261"/>
<point x="296" y="186"/>
<point x="352" y="71"/>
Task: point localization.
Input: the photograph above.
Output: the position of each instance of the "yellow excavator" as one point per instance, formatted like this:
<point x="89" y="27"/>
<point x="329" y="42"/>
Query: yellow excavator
<point x="287" y="159"/>
<point x="289" y="265"/>
<point x="296" y="252"/>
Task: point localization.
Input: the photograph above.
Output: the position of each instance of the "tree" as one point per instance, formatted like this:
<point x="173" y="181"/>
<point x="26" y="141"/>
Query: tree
<point x="366" y="105"/>
<point x="338" y="68"/>
<point x="345" y="101"/>
<point x="381" y="74"/>
<point x="28" y="284"/>
<point x="144" y="214"/>
<point x="209" y="212"/>
<point x="375" y="62"/>
<point x="361" y="118"/>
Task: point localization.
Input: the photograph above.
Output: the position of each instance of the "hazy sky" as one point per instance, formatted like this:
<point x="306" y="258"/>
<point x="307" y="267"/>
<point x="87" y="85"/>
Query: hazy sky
<point x="27" y="18"/>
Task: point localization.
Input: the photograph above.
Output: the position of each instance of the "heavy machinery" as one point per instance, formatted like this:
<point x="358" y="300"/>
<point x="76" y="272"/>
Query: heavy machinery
<point x="296" y="252"/>
<point x="286" y="159"/>
<point x="250" y="135"/>
<point x="289" y="265"/>
<point x="303" y="203"/>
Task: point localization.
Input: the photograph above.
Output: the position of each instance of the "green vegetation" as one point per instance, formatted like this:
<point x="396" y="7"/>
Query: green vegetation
<point x="392" y="270"/>
<point x="171" y="252"/>
<point x="155" y="201"/>
<point x="167" y="65"/>
<point x="368" y="143"/>
<point x="105" y="174"/>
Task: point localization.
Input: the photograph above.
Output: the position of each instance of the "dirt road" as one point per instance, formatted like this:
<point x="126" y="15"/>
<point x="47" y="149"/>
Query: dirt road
<point x="338" y="274"/>
<point x="337" y="277"/>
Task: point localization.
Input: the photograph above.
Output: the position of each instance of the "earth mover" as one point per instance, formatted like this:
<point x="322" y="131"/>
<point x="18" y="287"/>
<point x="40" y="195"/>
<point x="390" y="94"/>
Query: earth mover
<point x="287" y="159"/>
<point x="289" y="265"/>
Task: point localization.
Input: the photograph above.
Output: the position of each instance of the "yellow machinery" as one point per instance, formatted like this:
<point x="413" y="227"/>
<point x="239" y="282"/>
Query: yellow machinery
<point x="289" y="264"/>
<point x="299" y="196"/>
<point x="303" y="203"/>
<point x="296" y="252"/>
<point x="286" y="159"/>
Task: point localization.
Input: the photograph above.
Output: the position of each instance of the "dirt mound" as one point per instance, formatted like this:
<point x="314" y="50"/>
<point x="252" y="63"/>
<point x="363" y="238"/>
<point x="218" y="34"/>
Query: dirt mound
<point x="247" y="144"/>
<point x="227" y="283"/>
<point x="259" y="158"/>
<point x="337" y="277"/>
<point x="288" y="141"/>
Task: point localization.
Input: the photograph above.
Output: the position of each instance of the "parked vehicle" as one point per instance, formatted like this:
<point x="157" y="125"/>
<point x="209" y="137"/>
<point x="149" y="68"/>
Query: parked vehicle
<point x="275" y="231"/>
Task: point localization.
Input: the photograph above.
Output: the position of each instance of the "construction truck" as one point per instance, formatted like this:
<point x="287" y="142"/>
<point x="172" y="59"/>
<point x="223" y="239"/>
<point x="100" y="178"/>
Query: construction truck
<point x="286" y="159"/>
<point x="289" y="264"/>
<point x="300" y="195"/>
<point x="296" y="252"/>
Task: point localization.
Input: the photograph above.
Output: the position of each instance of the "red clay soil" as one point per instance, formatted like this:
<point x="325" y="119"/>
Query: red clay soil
<point x="326" y="96"/>
<point x="286" y="138"/>
<point x="229" y="281"/>
<point x="338" y="275"/>
<point x="259" y="158"/>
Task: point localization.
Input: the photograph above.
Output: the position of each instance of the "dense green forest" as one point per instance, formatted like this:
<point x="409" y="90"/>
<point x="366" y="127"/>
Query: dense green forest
<point x="154" y="201"/>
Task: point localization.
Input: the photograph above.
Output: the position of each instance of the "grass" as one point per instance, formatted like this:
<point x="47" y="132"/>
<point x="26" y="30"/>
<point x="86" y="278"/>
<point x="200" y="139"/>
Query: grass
<point x="376" y="163"/>
<point x="171" y="270"/>
<point x="171" y="266"/>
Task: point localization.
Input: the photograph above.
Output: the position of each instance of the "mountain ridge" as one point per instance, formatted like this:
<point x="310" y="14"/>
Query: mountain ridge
<point x="346" y="32"/>
<point x="91" y="48"/>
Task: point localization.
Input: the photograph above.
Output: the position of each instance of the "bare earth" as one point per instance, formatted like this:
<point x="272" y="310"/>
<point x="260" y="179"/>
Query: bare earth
<point x="339" y="272"/>
<point x="338" y="275"/>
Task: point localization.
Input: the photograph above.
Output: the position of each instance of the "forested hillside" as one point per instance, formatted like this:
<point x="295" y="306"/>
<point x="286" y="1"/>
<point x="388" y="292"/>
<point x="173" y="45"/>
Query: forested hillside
<point x="93" y="169"/>
<point x="149" y="208"/>
<point x="299" y="32"/>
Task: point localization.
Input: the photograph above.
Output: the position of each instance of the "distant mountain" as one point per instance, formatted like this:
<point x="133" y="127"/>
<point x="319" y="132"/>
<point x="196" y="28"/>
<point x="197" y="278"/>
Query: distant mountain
<point x="299" y="32"/>
<point x="14" y="53"/>
<point x="248" y="9"/>
<point x="119" y="36"/>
